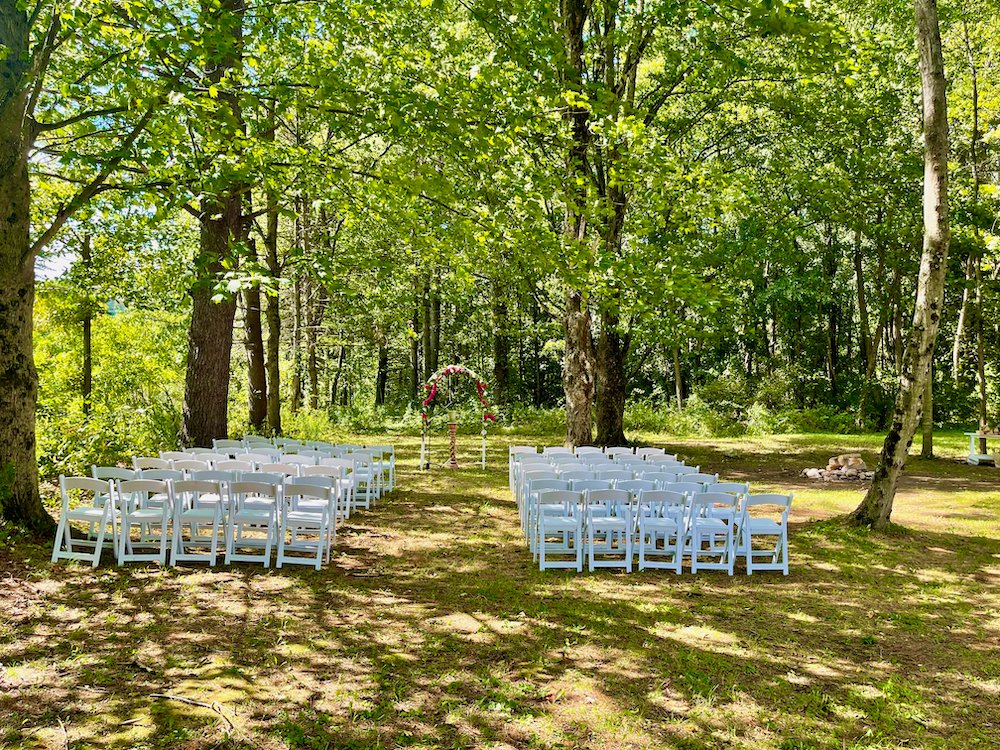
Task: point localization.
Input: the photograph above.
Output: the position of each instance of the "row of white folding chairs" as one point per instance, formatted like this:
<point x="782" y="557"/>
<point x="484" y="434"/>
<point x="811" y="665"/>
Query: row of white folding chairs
<point x="359" y="472"/>
<point x="690" y="474"/>
<point x="580" y="470"/>
<point x="349" y="494"/>
<point x="522" y="459"/>
<point x="383" y="455"/>
<point x="661" y="527"/>
<point x="258" y="512"/>
<point x="686" y="485"/>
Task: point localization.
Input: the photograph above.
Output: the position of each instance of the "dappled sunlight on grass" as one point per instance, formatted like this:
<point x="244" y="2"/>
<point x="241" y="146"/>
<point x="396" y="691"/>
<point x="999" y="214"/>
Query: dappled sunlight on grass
<point x="432" y="628"/>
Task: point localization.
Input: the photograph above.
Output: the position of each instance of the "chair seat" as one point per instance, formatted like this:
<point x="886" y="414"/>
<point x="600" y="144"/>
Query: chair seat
<point x="304" y="517"/>
<point x="146" y="514"/>
<point x="711" y="524"/>
<point x="560" y="523"/>
<point x="763" y="526"/>
<point x="89" y="513"/>
<point x="607" y="522"/>
<point x="253" y="515"/>
<point x="658" y="523"/>
<point x="196" y="513"/>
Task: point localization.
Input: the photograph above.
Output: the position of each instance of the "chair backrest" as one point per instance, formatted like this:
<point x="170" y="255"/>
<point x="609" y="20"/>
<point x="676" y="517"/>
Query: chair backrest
<point x="722" y="504"/>
<point x="660" y="477"/>
<point x="234" y="466"/>
<point x="323" y="471"/>
<point x="161" y="475"/>
<point x="320" y="445"/>
<point x="148" y="462"/>
<point x="96" y="487"/>
<point x="261" y="477"/>
<point x="557" y="450"/>
<point x="227" y="445"/>
<point x="141" y="491"/>
<point x="258" y="458"/>
<point x="687" y="487"/>
<point x="113" y="472"/>
<point x="784" y="502"/>
<point x="172" y="455"/>
<point x="588" y="450"/>
<point x="545" y="485"/>
<point x="285" y="469"/>
<point x="561" y="459"/>
<point x="301" y="459"/>
<point x="241" y="489"/>
<point x="315" y="481"/>
<point x="584" y="485"/>
<point x="643" y="452"/>
<point x="210" y="457"/>
<point x="197" y="487"/>
<point x="249" y="440"/>
<point x="680" y="470"/>
<point x="576" y="474"/>
<point x="190" y="464"/>
<point x="213" y="475"/>
<point x="607" y="502"/>
<point x="522" y="450"/>
<point x="666" y="458"/>
<point x="635" y="486"/>
<point x="569" y="499"/>
<point x="295" y="492"/>
<point x="346" y="464"/>
<point x="195" y="451"/>
<point x="734" y="488"/>
<point x="615" y="475"/>
<point x="619" y="450"/>
<point x="700" y="477"/>
<point x="660" y="503"/>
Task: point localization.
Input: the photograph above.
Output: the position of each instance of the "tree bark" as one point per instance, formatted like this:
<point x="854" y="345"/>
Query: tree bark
<point x="425" y="330"/>
<point x="382" y="372"/>
<point x="415" y="356"/>
<point x="876" y="508"/>
<point x="501" y="348"/>
<point x="612" y="349"/>
<point x="256" y="367"/>
<point x="927" y="419"/>
<point x="335" y="385"/>
<point x="272" y="313"/>
<point x="867" y="353"/>
<point x="678" y="378"/>
<point x="296" y="344"/>
<point x="87" y="388"/>
<point x="19" y="498"/>
<point x="578" y="357"/>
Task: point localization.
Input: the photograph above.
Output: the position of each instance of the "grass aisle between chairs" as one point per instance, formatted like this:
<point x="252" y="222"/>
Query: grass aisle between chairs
<point x="432" y="628"/>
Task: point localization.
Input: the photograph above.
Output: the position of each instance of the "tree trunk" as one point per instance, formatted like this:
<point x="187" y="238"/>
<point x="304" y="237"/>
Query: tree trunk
<point x="335" y="386"/>
<point x="578" y="356"/>
<point x="435" y="351"/>
<point x="87" y="389"/>
<point x="501" y="348"/>
<point x="256" y="368"/>
<point x="382" y="374"/>
<point x="415" y="356"/>
<point x="296" y="345"/>
<point x="316" y="309"/>
<point x="19" y="498"/>
<point x="612" y="349"/>
<point x="927" y="418"/>
<point x="425" y="330"/>
<point x="272" y="313"/>
<point x="867" y="354"/>
<point x="876" y="507"/>
<point x="210" y="337"/>
<point x="678" y="378"/>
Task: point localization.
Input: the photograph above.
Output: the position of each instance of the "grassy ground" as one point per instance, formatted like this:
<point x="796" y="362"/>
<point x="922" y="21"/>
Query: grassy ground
<point x="432" y="629"/>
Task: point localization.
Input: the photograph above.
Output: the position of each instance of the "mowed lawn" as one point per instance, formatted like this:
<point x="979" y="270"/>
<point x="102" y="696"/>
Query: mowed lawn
<point x="432" y="629"/>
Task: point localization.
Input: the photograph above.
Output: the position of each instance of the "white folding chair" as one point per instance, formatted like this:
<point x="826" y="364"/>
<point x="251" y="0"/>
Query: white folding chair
<point x="660" y="477"/>
<point x="284" y="468"/>
<point x="303" y="458"/>
<point x="99" y="513"/>
<point x="174" y="455"/>
<point x="646" y="452"/>
<point x="574" y="474"/>
<point x="681" y="471"/>
<point x="230" y="447"/>
<point x="753" y="527"/>
<point x="615" y="475"/>
<point x="189" y="464"/>
<point x="616" y="451"/>
<point x="209" y="457"/>
<point x="560" y="533"/>
<point x="198" y="503"/>
<point x="689" y="488"/>
<point x="365" y="479"/>
<point x="253" y="512"/>
<point x="711" y="532"/>
<point x="234" y="467"/>
<point x="306" y="525"/>
<point x="346" y="479"/>
<point x="661" y="529"/>
<point x="534" y="507"/>
<point x="147" y="504"/>
<point x="585" y="485"/>
<point x="634" y="486"/>
<point x="149" y="462"/>
<point x="609" y="529"/>
<point x="700" y="477"/>
<point x="107" y="473"/>
<point x="338" y="483"/>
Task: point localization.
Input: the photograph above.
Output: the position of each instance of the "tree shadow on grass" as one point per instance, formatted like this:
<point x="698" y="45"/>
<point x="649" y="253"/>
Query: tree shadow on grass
<point x="433" y="628"/>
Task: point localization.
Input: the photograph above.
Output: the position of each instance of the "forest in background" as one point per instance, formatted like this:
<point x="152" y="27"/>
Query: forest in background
<point x="709" y="223"/>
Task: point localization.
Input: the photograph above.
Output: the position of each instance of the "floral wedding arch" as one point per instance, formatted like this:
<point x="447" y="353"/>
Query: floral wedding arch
<point x="433" y="389"/>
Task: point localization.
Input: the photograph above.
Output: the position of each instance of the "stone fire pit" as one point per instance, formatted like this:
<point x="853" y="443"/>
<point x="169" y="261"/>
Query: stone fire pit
<point x="846" y="467"/>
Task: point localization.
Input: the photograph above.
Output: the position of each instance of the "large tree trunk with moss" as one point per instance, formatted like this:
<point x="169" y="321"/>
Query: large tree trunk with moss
<point x="876" y="508"/>
<point x="210" y="337"/>
<point x="19" y="499"/>
<point x="578" y="354"/>
<point x="612" y="349"/>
